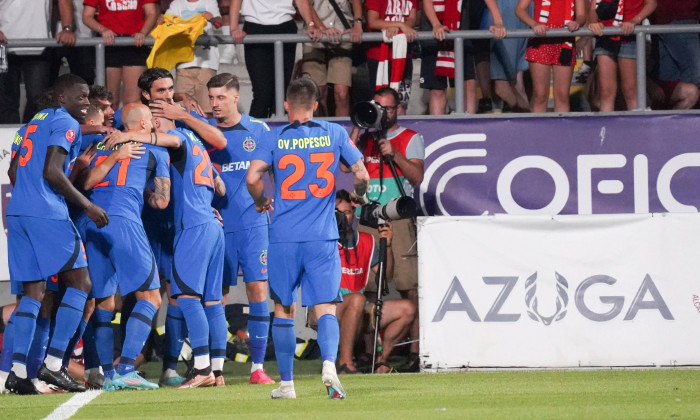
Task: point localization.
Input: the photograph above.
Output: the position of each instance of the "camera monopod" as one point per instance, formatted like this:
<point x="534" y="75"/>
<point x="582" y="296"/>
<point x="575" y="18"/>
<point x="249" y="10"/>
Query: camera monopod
<point x="382" y="290"/>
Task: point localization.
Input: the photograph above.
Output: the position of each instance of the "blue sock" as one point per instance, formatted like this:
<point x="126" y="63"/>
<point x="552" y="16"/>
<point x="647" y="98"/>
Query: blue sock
<point x="8" y="344"/>
<point x="197" y="326"/>
<point x="285" y="343"/>
<point x="104" y="341"/>
<point x="328" y="336"/>
<point x="175" y="329"/>
<point x="25" y="324"/>
<point x="74" y="342"/>
<point x="258" y="328"/>
<point x="37" y="351"/>
<point x="138" y="327"/>
<point x="218" y="332"/>
<point x="90" y="346"/>
<point x="68" y="318"/>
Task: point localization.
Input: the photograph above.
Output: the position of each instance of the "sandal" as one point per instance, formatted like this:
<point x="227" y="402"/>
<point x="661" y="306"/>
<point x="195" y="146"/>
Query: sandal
<point x="382" y="364"/>
<point x="345" y="370"/>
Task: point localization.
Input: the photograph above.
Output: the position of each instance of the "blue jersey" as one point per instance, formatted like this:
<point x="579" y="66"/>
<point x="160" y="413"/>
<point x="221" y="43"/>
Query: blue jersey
<point x="237" y="207"/>
<point x="304" y="158"/>
<point x="32" y="194"/>
<point x="121" y="192"/>
<point x="75" y="212"/>
<point x="192" y="177"/>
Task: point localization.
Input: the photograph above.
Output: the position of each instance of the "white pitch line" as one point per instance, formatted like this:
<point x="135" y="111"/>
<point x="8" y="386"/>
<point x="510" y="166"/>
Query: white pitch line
<point x="70" y="407"/>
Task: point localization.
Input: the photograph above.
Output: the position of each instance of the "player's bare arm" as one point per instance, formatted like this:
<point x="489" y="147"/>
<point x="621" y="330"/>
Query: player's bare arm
<point x="361" y="181"/>
<point x="99" y="172"/>
<point x="219" y="186"/>
<point x="12" y="170"/>
<point x="77" y="175"/>
<point x="146" y="137"/>
<point x="256" y="187"/>
<point x="160" y="197"/>
<point x="206" y="131"/>
<point x="54" y="175"/>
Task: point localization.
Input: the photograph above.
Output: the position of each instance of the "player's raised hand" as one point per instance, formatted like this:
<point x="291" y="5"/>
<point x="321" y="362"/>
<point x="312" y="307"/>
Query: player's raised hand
<point x="115" y="138"/>
<point x="264" y="204"/>
<point x="169" y="110"/>
<point x="131" y="151"/>
<point x="97" y="215"/>
<point x="191" y="104"/>
<point x="85" y="158"/>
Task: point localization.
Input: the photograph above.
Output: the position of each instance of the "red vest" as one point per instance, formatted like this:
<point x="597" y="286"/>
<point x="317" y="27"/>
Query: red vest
<point x="355" y="269"/>
<point x="372" y="157"/>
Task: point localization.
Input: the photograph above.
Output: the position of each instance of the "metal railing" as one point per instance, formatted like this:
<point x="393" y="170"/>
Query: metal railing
<point x="640" y="32"/>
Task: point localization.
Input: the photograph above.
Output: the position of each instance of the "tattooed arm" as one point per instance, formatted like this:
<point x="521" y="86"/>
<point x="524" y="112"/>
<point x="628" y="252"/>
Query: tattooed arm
<point x="159" y="198"/>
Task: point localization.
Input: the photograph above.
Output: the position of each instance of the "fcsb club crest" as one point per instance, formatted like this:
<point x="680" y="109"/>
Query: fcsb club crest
<point x="249" y="144"/>
<point x="70" y="135"/>
<point x="263" y="258"/>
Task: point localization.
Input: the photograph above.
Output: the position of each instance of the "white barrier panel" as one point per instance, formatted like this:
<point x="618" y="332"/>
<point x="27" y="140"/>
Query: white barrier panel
<point x="7" y="134"/>
<point x="568" y="291"/>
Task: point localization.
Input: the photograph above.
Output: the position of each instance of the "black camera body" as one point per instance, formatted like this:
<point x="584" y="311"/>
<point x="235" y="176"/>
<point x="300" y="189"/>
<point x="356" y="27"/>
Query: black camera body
<point x="344" y="227"/>
<point x="374" y="214"/>
<point x="369" y="114"/>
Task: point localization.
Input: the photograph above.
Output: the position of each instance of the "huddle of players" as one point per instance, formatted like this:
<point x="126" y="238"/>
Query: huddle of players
<point x="120" y="253"/>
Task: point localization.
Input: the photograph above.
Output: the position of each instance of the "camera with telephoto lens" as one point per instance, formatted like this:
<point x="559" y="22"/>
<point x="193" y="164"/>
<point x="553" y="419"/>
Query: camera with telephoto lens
<point x="374" y="214"/>
<point x="369" y="114"/>
<point x="344" y="227"/>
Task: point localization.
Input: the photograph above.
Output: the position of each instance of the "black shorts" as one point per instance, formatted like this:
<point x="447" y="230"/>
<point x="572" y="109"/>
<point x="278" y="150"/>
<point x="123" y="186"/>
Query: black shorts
<point x="126" y="56"/>
<point x="428" y="79"/>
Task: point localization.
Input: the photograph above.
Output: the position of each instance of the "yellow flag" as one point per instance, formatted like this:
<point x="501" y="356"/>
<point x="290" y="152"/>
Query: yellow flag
<point x="175" y="39"/>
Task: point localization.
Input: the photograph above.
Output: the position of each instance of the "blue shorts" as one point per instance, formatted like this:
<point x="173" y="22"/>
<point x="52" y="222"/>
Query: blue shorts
<point x="120" y="255"/>
<point x="616" y="49"/>
<point x="247" y="249"/>
<point x="315" y="266"/>
<point x="39" y="248"/>
<point x="198" y="262"/>
<point x="160" y="238"/>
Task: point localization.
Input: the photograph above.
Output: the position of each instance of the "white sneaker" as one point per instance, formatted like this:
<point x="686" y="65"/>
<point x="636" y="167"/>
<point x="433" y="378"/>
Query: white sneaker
<point x="330" y="380"/>
<point x="279" y="393"/>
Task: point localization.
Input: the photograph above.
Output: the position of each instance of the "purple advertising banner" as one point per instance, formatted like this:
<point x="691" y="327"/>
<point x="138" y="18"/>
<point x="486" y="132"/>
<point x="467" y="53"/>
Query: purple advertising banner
<point x="576" y="165"/>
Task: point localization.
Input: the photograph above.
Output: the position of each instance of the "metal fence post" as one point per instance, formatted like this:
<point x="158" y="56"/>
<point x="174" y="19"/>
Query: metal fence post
<point x="459" y="75"/>
<point x="279" y="79"/>
<point x="641" y="71"/>
<point x="100" y="64"/>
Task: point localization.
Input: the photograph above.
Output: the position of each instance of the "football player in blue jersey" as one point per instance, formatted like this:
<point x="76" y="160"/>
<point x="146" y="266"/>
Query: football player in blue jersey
<point x="120" y="254"/>
<point x="157" y="87"/>
<point x="246" y="229"/>
<point x="45" y="242"/>
<point x="304" y="156"/>
<point x="198" y="246"/>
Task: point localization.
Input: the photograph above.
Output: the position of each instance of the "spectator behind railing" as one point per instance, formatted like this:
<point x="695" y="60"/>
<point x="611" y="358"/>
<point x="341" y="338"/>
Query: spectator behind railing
<point x="268" y="17"/>
<point x="508" y="60"/>
<point x="124" y="64"/>
<point x="437" y="60"/>
<point x="551" y="58"/>
<point x="389" y="64"/>
<point x="617" y="51"/>
<point x="28" y="19"/>
<point x="678" y="54"/>
<point x="330" y="63"/>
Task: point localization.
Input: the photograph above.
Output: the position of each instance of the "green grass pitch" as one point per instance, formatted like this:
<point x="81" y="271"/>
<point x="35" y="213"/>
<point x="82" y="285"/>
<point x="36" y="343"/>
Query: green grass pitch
<point x="545" y="394"/>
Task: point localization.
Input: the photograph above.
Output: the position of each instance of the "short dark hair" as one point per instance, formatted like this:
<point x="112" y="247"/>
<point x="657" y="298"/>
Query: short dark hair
<point x="226" y="80"/>
<point x="149" y="76"/>
<point x="92" y="111"/>
<point x="343" y="195"/>
<point x="387" y="91"/>
<point x="67" y="81"/>
<point x="303" y="92"/>
<point x="100" y="92"/>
